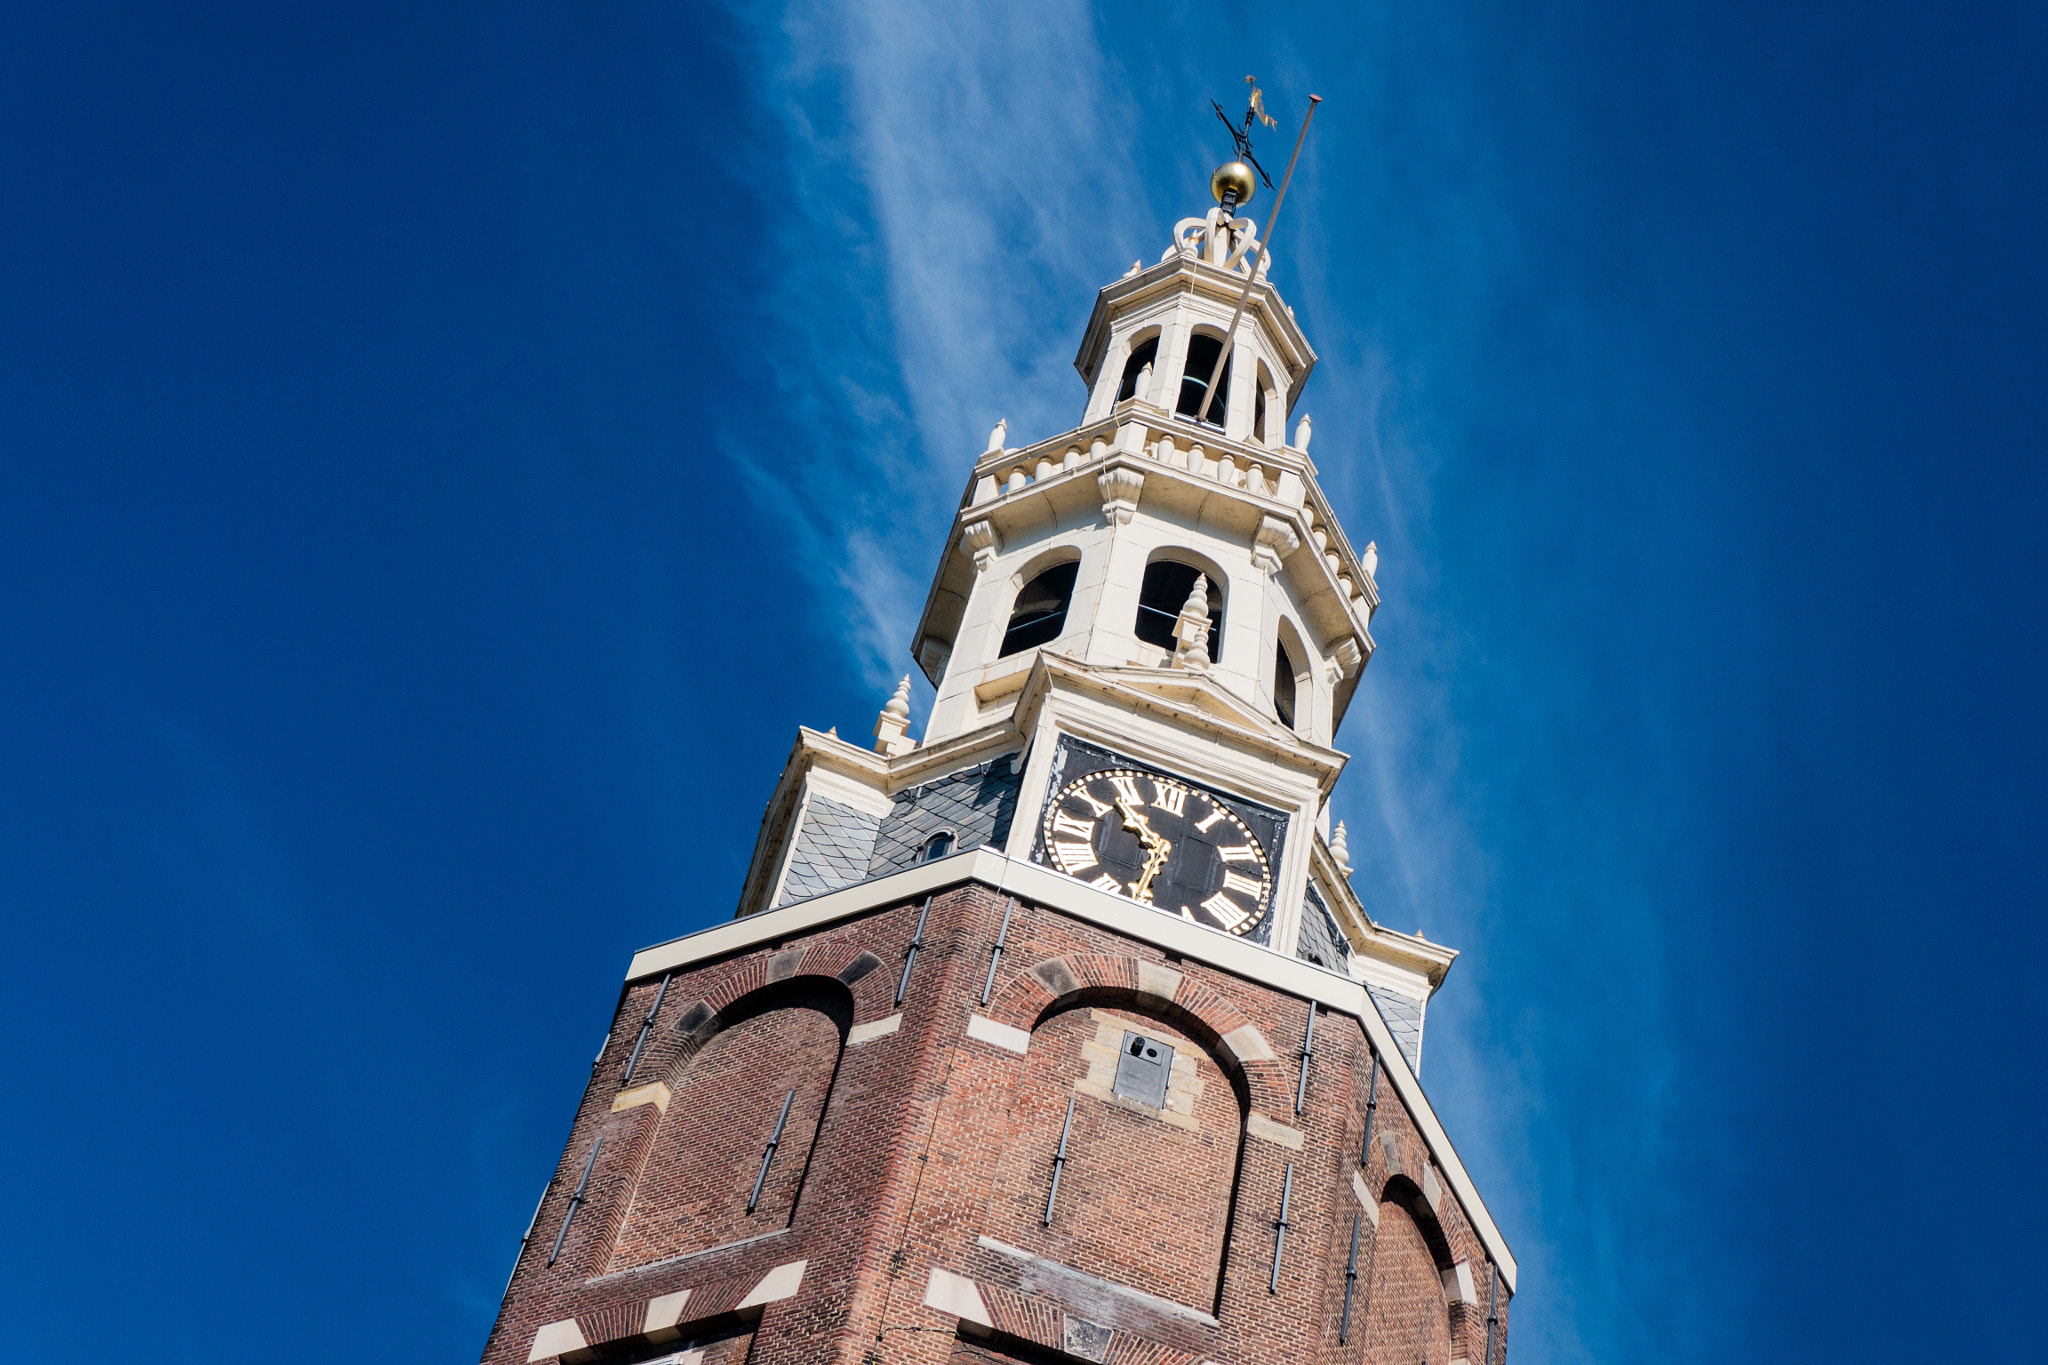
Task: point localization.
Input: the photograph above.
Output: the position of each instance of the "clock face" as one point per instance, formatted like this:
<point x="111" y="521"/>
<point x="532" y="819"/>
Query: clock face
<point x="1164" y="842"/>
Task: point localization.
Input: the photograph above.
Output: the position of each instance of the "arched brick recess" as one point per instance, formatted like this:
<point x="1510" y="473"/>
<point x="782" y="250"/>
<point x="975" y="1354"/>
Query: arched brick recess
<point x="1401" y="1190"/>
<point x="1102" y="978"/>
<point x="692" y="1178"/>
<point x="1145" y="1195"/>
<point x="1406" y="1317"/>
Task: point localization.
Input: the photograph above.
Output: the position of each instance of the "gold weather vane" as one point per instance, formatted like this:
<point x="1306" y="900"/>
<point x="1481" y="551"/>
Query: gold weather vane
<point x="1242" y="137"/>
<point x="1232" y="185"/>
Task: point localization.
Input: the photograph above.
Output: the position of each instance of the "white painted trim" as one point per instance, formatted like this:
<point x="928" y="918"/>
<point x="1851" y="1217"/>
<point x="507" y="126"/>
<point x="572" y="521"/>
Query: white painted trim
<point x="1212" y="946"/>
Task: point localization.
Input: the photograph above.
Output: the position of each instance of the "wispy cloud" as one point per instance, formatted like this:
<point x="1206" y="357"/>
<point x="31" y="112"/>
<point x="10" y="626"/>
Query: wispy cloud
<point x="961" y="200"/>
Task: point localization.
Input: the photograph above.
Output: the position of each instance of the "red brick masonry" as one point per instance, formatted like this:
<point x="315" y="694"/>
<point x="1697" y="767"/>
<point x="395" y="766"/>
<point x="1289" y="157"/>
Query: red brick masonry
<point x="903" y="1215"/>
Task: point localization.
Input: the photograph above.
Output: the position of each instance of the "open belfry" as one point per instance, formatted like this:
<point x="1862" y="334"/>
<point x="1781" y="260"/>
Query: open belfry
<point x="1061" y="1033"/>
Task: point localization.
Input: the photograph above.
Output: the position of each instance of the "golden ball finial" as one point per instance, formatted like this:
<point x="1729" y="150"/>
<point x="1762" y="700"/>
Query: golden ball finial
<point x="1233" y="175"/>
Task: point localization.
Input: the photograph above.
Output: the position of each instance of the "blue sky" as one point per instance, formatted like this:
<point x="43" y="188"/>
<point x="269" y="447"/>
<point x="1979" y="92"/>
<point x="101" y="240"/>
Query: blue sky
<point x="445" y="451"/>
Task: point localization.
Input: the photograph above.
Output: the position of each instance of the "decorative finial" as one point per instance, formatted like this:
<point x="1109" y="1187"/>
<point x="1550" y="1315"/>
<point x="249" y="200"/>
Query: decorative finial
<point x="1232" y="185"/>
<point x="1340" y="851"/>
<point x="892" y="726"/>
<point x="1302" y="431"/>
<point x="1192" y="629"/>
<point x="1371" y="559"/>
<point x="995" y="437"/>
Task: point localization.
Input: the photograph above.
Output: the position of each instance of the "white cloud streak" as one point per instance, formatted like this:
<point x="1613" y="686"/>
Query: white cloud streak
<point x="963" y="159"/>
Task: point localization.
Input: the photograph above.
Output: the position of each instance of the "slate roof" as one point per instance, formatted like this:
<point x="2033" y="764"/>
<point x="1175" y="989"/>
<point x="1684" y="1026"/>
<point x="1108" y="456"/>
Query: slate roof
<point x="975" y="803"/>
<point x="1404" y="1021"/>
<point x="832" y="849"/>
<point x="1321" y="941"/>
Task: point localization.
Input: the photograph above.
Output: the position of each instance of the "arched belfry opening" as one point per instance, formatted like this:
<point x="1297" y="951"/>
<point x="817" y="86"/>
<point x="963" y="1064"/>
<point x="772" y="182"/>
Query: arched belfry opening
<point x="1144" y="353"/>
<point x="1283" y="684"/>
<point x="1265" y="418"/>
<point x="1203" y="350"/>
<point x="1041" y="611"/>
<point x="1164" y="593"/>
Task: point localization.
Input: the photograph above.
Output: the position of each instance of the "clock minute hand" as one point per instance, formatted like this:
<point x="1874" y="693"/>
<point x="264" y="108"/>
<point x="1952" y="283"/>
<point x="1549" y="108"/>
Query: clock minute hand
<point x="1160" y="848"/>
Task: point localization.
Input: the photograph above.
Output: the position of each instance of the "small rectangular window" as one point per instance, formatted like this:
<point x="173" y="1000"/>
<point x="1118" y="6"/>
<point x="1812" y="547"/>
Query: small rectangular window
<point x="1142" y="1067"/>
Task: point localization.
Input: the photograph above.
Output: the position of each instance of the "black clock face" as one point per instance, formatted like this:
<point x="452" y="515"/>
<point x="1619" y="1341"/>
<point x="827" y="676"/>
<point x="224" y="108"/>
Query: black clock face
<point x="1157" y="840"/>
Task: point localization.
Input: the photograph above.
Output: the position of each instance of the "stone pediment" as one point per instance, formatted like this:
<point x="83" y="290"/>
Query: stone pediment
<point x="1190" y="697"/>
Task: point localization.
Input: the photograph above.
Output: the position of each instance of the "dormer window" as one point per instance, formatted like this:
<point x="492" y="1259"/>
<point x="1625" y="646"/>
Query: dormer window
<point x="1041" y="611"/>
<point x="1161" y="597"/>
<point x="937" y="847"/>
<point x="1194" y="381"/>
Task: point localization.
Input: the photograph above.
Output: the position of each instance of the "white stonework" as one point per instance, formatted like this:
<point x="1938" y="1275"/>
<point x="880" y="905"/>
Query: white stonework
<point x="556" y="1339"/>
<point x="1136" y="482"/>
<point x="955" y="1296"/>
<point x="778" y="1284"/>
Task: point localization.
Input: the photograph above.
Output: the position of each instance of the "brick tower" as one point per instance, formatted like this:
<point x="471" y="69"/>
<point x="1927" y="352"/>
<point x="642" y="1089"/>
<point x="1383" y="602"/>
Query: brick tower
<point x="1062" y="1033"/>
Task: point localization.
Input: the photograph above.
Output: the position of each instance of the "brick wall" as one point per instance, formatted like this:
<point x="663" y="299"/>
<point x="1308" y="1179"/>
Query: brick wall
<point x="911" y="1228"/>
<point x="694" y="1182"/>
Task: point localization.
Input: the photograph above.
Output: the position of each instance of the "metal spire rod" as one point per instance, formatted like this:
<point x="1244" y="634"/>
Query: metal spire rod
<point x="1252" y="277"/>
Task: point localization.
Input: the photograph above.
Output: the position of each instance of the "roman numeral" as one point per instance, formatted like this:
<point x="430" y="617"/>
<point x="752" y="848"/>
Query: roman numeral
<point x="1072" y="858"/>
<point x="1099" y="807"/>
<point x="1241" y="853"/>
<point x="1127" y="787"/>
<point x="1227" y="911"/>
<point x="1171" y="799"/>
<point x="1063" y="823"/>
<point x="1215" y="813"/>
<point x="1243" y="885"/>
<point x="1108" y="883"/>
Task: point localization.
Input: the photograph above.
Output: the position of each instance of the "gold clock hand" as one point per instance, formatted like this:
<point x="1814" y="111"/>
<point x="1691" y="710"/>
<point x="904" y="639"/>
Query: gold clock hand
<point x="1135" y="820"/>
<point x="1160" y="849"/>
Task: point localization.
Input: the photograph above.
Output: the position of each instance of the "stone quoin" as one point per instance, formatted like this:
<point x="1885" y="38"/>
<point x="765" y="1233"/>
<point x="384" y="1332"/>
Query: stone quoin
<point x="1061" y="1033"/>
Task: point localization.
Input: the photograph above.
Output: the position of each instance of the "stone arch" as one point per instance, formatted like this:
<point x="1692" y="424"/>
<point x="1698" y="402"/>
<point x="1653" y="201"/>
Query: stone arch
<point x="763" y="1053"/>
<point x="1204" y="344"/>
<point x="1053" y="557"/>
<point x="1140" y="349"/>
<point x="1269" y="415"/>
<point x="1160" y="610"/>
<point x="1241" y="1051"/>
<point x="1289" y="640"/>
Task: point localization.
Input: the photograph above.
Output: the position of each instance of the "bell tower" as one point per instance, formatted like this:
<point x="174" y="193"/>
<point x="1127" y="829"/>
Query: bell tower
<point x="1059" y="1032"/>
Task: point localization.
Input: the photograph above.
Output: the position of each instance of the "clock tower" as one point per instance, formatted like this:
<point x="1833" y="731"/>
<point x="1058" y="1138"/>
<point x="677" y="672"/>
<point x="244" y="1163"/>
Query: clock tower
<point x="1059" y="1033"/>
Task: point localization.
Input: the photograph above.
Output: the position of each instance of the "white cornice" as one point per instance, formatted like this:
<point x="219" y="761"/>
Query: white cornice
<point x="1410" y="952"/>
<point x="993" y="868"/>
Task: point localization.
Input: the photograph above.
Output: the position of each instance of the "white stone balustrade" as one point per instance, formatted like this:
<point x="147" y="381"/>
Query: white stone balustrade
<point x="1283" y="476"/>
